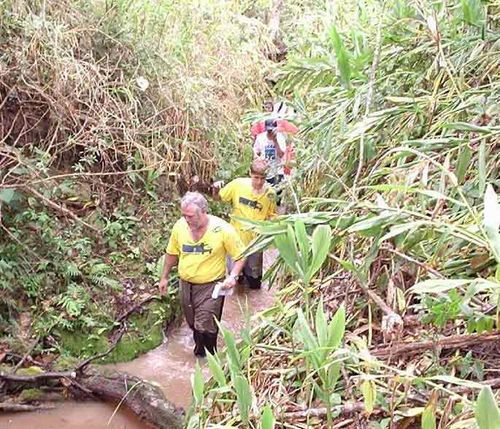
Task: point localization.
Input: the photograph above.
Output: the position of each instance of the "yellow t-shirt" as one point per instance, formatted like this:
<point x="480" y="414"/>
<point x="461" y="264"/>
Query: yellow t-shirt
<point x="248" y="205"/>
<point x="204" y="260"/>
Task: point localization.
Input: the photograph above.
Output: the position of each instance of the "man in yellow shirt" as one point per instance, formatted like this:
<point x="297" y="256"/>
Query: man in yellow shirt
<point x="199" y="244"/>
<point x="251" y="198"/>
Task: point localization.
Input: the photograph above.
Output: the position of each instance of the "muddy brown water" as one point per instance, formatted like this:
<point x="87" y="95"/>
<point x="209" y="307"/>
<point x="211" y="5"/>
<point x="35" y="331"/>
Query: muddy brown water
<point x="169" y="365"/>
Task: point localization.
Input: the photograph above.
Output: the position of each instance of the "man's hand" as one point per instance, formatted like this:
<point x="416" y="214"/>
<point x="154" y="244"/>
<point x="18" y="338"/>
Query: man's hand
<point x="219" y="184"/>
<point x="163" y="286"/>
<point x="229" y="282"/>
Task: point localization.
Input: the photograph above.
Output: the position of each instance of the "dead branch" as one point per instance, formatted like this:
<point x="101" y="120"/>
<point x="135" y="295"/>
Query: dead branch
<point x="144" y="399"/>
<point x="28" y="353"/>
<point x="453" y="342"/>
<point x="12" y="408"/>
<point x="61" y="209"/>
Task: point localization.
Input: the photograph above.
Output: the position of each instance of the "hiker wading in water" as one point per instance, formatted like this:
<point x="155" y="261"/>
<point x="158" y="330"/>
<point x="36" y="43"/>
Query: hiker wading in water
<point x="199" y="244"/>
<point x="254" y="199"/>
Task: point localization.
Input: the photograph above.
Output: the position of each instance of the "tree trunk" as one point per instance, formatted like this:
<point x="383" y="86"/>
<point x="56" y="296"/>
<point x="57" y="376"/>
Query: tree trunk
<point x="142" y="398"/>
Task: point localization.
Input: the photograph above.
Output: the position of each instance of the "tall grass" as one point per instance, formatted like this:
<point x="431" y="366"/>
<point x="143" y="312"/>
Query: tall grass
<point x="399" y="155"/>
<point x="106" y="87"/>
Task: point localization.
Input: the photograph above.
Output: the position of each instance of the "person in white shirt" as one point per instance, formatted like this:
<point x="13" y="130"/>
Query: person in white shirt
<point x="271" y="145"/>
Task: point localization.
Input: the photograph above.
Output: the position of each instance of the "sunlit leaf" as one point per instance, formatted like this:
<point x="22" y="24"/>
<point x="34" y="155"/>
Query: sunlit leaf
<point x="243" y="396"/>
<point x="198" y="385"/>
<point x="369" y="391"/>
<point x="486" y="411"/>
<point x="267" y="418"/>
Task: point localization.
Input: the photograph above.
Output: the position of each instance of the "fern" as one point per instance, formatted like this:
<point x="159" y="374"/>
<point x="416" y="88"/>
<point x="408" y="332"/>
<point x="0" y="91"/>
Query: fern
<point x="71" y="270"/>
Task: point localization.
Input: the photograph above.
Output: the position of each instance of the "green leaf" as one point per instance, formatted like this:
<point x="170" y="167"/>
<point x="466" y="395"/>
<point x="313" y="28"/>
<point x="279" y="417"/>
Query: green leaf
<point x="321" y="240"/>
<point x="216" y="370"/>
<point x="463" y="162"/>
<point x="465" y="126"/>
<point x="243" y="396"/>
<point x="458" y="381"/>
<point x="369" y="391"/>
<point x="7" y="195"/>
<point x="438" y="285"/>
<point x="486" y="410"/>
<point x="308" y="339"/>
<point x="267" y="418"/>
<point x="287" y="248"/>
<point x="482" y="166"/>
<point x="472" y="13"/>
<point x="232" y="353"/>
<point x="401" y="228"/>
<point x="428" y="417"/>
<point x="370" y="223"/>
<point x="303" y="242"/>
<point x="321" y="325"/>
<point x="341" y="56"/>
<point x="336" y="329"/>
<point x="198" y="385"/>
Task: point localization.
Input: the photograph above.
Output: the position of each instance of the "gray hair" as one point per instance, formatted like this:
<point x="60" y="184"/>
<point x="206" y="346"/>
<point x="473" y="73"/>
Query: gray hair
<point x="196" y="199"/>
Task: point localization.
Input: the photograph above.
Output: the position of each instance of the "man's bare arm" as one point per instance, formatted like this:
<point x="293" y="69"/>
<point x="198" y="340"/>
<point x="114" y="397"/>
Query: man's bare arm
<point x="170" y="262"/>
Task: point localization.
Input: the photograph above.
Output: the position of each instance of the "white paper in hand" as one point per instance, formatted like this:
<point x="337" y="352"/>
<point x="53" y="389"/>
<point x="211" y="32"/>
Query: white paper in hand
<point x="219" y="291"/>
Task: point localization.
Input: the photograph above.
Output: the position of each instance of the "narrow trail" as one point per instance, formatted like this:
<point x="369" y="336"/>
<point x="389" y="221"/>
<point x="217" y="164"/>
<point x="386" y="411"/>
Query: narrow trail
<point x="170" y="365"/>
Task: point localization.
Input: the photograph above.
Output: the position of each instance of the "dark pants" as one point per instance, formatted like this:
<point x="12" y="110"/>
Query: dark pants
<point x="201" y="311"/>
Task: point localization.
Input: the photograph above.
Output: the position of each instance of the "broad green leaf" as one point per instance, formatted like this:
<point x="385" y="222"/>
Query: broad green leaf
<point x="7" y="195"/>
<point x="455" y="380"/>
<point x="243" y="397"/>
<point x="463" y="162"/>
<point x="321" y="325"/>
<point x="473" y="15"/>
<point x="159" y="266"/>
<point x="287" y="248"/>
<point x="321" y="240"/>
<point x="464" y="126"/>
<point x="486" y="411"/>
<point x="267" y="418"/>
<point x="332" y="376"/>
<point x="370" y="222"/>
<point x="216" y="370"/>
<point x="336" y="329"/>
<point x="342" y="57"/>
<point x="303" y="242"/>
<point x="438" y="285"/>
<point x="400" y="228"/>
<point x="369" y="391"/>
<point x="198" y="385"/>
<point x="429" y="417"/>
<point x="400" y="299"/>
<point x="307" y="337"/>
<point x="231" y="352"/>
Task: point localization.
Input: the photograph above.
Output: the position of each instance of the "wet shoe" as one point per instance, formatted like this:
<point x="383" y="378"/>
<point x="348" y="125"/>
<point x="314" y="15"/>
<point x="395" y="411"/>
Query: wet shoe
<point x="199" y="344"/>
<point x="210" y="341"/>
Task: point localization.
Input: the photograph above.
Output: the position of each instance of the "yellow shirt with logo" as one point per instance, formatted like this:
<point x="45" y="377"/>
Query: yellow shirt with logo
<point x="204" y="260"/>
<point x="249" y="205"/>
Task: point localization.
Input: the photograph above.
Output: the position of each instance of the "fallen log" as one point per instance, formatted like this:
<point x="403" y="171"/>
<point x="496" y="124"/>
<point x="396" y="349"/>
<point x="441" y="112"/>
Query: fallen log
<point x="452" y="342"/>
<point x="14" y="408"/>
<point x="141" y="397"/>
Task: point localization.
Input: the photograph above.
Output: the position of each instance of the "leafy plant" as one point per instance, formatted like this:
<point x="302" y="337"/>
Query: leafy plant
<point x="302" y="253"/>
<point x="487" y="412"/>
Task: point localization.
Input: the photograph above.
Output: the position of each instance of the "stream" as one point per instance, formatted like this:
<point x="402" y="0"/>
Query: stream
<point x="169" y="365"/>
